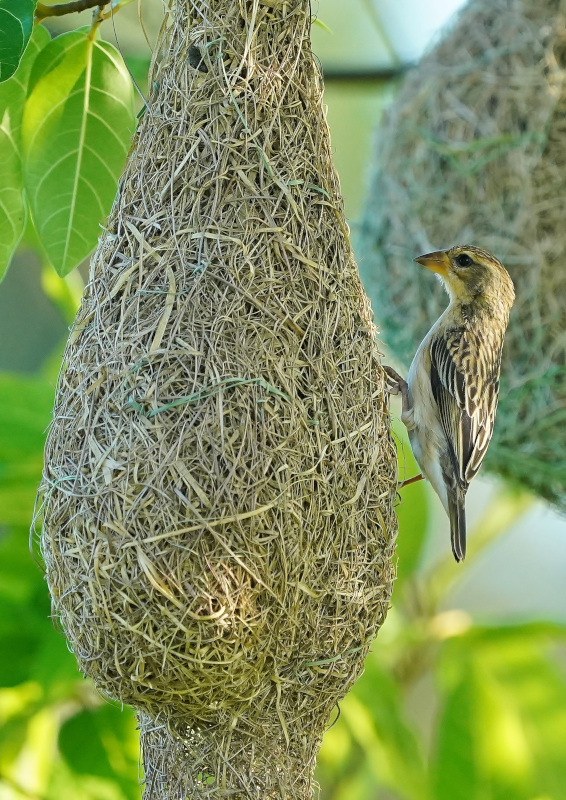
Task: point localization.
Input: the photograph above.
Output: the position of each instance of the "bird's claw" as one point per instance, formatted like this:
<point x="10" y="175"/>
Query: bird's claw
<point x="395" y="383"/>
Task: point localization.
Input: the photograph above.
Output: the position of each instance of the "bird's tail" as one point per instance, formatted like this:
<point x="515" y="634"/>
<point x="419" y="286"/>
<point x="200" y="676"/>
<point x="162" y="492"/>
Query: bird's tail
<point x="457" y="515"/>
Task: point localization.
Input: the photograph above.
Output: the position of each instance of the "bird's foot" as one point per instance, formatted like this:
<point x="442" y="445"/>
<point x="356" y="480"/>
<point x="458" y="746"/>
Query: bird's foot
<point x="414" y="479"/>
<point x="395" y="383"/>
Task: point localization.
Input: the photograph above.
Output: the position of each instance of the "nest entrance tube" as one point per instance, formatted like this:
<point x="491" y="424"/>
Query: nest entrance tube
<point x="218" y="526"/>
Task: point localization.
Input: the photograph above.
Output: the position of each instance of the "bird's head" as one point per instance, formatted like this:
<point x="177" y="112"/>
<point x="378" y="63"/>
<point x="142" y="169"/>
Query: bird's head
<point x="471" y="275"/>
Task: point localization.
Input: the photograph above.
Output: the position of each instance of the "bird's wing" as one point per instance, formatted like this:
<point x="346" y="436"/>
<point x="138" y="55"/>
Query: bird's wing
<point x="465" y="385"/>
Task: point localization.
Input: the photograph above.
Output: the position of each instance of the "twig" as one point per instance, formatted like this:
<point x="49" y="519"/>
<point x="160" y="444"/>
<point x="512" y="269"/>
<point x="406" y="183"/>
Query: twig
<point x="42" y="11"/>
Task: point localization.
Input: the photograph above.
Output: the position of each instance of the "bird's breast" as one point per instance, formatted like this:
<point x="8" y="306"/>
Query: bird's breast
<point x="425" y="410"/>
<point x="428" y="441"/>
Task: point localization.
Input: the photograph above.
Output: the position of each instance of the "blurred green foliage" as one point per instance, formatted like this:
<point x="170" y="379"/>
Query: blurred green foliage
<point x="446" y="709"/>
<point x="58" y="738"/>
<point x="16" y="23"/>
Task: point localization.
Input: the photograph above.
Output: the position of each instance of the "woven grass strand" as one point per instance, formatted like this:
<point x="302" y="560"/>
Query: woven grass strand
<point x="217" y="501"/>
<point x="474" y="150"/>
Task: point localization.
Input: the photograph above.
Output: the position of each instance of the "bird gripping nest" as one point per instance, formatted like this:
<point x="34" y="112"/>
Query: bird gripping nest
<point x="474" y="150"/>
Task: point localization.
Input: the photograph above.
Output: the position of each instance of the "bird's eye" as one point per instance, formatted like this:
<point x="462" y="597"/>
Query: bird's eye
<point x="464" y="260"/>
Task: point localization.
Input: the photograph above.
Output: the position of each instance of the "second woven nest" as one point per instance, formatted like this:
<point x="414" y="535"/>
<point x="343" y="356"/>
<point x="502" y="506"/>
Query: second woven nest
<point x="474" y="151"/>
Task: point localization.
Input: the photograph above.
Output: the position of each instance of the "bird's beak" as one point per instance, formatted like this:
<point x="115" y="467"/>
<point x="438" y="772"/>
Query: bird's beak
<point x="437" y="262"/>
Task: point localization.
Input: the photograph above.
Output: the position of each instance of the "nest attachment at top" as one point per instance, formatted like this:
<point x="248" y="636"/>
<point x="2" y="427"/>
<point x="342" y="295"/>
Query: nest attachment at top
<point x="474" y="151"/>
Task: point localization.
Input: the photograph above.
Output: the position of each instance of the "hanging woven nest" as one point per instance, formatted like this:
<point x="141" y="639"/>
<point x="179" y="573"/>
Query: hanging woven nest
<point x="474" y="151"/>
<point x="218" y="526"/>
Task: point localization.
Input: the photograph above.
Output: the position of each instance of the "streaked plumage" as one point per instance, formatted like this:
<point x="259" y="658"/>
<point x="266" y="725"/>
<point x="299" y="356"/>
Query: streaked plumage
<point x="450" y="397"/>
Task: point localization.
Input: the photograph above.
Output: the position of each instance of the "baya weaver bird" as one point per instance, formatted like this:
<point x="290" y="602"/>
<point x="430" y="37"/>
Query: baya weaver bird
<point x="450" y="395"/>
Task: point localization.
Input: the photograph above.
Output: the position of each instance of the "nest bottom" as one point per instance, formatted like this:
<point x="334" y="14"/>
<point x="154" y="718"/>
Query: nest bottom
<point x="219" y="761"/>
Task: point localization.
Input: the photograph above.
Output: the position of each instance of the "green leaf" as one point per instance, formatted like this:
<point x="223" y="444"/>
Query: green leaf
<point x="381" y="697"/>
<point x="118" y="4"/>
<point x="20" y="576"/>
<point x="22" y="622"/>
<point x="37" y="648"/>
<point x="456" y="770"/>
<point x="372" y="725"/>
<point x="12" y="207"/>
<point x="77" y="126"/>
<point x="500" y="732"/>
<point x="16" y="23"/>
<point x="521" y="661"/>
<point x="482" y="750"/>
<point x="103" y="742"/>
<point x="322" y="25"/>
<point x="12" y="97"/>
<point x="22" y="644"/>
<point x="13" y="735"/>
<point x="25" y="411"/>
<point x="13" y="91"/>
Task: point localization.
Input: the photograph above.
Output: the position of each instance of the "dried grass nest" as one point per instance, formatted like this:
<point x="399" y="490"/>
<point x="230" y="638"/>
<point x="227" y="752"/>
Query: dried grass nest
<point x="217" y="501"/>
<point x="474" y="150"/>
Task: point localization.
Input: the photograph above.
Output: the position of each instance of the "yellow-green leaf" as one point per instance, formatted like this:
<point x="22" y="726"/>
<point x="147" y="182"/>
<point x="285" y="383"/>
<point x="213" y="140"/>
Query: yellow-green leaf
<point x="77" y="126"/>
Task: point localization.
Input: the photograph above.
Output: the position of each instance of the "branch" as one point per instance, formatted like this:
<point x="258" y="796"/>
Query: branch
<point x="42" y="11"/>
<point x="370" y="74"/>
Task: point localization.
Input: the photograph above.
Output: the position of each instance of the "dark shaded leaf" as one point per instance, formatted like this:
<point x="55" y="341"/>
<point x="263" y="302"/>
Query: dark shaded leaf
<point x="103" y="742"/>
<point x="12" y="97"/>
<point x="16" y="23"/>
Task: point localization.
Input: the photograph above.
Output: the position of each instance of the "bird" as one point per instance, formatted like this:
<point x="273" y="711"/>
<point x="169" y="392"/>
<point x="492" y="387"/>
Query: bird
<point x="449" y="399"/>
